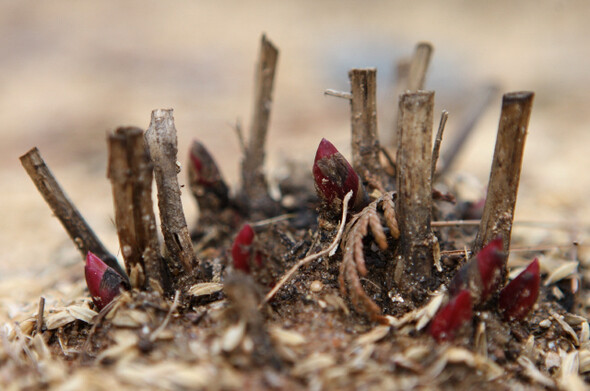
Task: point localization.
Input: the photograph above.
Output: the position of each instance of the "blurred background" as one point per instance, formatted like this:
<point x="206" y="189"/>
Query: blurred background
<point x="73" y="71"/>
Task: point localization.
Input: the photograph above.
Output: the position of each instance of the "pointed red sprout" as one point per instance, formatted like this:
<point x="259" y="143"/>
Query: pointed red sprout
<point x="103" y="282"/>
<point x="241" y="249"/>
<point x="204" y="175"/>
<point x="520" y="295"/>
<point x="334" y="178"/>
<point x="482" y="274"/>
<point x="450" y="318"/>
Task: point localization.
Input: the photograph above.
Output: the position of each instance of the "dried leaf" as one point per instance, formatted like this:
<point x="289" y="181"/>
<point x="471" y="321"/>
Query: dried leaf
<point x="563" y="271"/>
<point x="205" y="288"/>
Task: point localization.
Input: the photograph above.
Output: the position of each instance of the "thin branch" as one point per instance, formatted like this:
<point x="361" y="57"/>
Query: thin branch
<point x="240" y="135"/>
<point x="498" y="212"/>
<point x="419" y="66"/>
<point x="273" y="220"/>
<point x="162" y="144"/>
<point x="437" y="141"/>
<point x="363" y="120"/>
<point x="40" y="313"/>
<point x="160" y="328"/>
<point x="330" y="250"/>
<point x="255" y="186"/>
<point x="338" y="94"/>
<point x="77" y="228"/>
<point x="454" y="223"/>
<point x="465" y="128"/>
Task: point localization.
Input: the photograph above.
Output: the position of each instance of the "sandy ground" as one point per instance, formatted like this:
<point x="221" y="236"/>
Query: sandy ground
<point x="73" y="71"/>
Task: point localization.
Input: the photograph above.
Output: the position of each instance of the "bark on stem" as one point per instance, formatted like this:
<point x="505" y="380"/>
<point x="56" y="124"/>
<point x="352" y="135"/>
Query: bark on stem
<point x="254" y="181"/>
<point x="130" y="172"/>
<point x="162" y="144"/>
<point x="498" y="213"/>
<point x="79" y="231"/>
<point x="414" y="202"/>
<point x="363" y="112"/>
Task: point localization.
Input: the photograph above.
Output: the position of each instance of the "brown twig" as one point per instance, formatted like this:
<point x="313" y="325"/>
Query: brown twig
<point x="79" y="231"/>
<point x="437" y="142"/>
<point x="498" y="212"/>
<point x="130" y="172"/>
<point x="338" y="94"/>
<point x="414" y="203"/>
<point x="419" y="66"/>
<point x="255" y="186"/>
<point x="162" y="144"/>
<point x="330" y="250"/>
<point x="40" y="313"/>
<point x="411" y="77"/>
<point x="465" y="128"/>
<point x="363" y="119"/>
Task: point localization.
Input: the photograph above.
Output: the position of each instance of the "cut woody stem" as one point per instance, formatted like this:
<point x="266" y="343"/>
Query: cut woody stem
<point x="130" y="172"/>
<point x="80" y="232"/>
<point x="363" y="113"/>
<point x="498" y="212"/>
<point x="161" y="140"/>
<point x="414" y="204"/>
<point x="255" y="186"/>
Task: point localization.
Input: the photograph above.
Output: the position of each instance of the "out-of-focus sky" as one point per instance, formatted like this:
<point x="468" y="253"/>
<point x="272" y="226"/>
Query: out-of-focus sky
<point x="72" y="71"/>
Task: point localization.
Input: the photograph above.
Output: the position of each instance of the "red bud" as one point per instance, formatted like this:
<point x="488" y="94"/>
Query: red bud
<point x="482" y="274"/>
<point x="241" y="247"/>
<point x="450" y="318"/>
<point x="103" y="282"/>
<point x="334" y="178"/>
<point x="519" y="296"/>
<point x="205" y="178"/>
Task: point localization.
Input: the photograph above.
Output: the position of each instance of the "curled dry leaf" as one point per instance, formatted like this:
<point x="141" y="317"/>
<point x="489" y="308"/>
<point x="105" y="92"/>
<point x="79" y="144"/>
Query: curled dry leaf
<point x="353" y="265"/>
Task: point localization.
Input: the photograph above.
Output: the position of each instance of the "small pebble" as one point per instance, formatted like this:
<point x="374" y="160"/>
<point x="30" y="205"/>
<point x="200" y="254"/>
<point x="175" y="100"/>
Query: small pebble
<point x="316" y="286"/>
<point x="545" y="323"/>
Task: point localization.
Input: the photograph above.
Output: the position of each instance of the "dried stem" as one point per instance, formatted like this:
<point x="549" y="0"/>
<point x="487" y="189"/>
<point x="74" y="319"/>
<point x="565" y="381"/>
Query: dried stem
<point x="162" y="144"/>
<point x="412" y="74"/>
<point x="363" y="118"/>
<point x="437" y="141"/>
<point x="254" y="181"/>
<point x="40" y="313"/>
<point x="330" y="250"/>
<point x="80" y="232"/>
<point x="414" y="203"/>
<point x="466" y="127"/>
<point x="498" y="212"/>
<point x="419" y="66"/>
<point x="338" y="94"/>
<point x="130" y="172"/>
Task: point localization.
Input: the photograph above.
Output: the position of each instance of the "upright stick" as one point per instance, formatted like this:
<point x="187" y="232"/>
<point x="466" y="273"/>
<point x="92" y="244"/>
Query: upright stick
<point x="419" y="66"/>
<point x="498" y="212"/>
<point x="363" y="118"/>
<point x="162" y="144"/>
<point x="254" y="181"/>
<point x="80" y="232"/>
<point x="130" y="172"/>
<point x="414" y="202"/>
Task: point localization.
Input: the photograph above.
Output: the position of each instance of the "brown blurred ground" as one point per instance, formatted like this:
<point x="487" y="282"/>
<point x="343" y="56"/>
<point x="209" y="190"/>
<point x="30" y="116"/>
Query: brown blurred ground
<point x="72" y="71"/>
